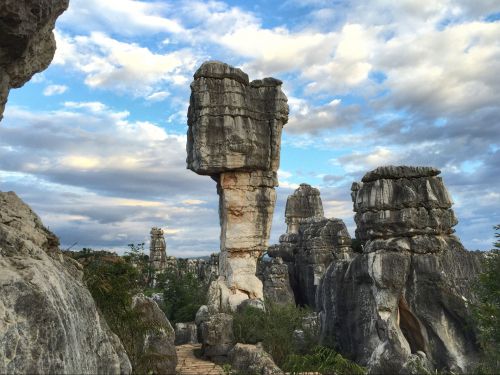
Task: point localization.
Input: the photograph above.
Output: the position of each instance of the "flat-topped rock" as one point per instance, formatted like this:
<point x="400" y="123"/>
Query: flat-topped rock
<point x="403" y="171"/>
<point x="234" y="125"/>
<point x="220" y="70"/>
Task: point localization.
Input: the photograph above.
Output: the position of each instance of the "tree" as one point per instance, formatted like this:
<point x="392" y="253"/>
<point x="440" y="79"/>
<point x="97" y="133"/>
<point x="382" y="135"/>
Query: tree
<point x="183" y="294"/>
<point x="487" y="310"/>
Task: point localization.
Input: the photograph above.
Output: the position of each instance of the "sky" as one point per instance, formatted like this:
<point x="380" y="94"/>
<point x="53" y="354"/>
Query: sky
<point x="96" y="143"/>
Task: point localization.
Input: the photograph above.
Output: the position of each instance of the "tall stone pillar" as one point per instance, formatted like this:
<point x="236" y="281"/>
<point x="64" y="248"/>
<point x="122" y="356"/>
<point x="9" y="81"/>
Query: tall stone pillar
<point x="158" y="250"/>
<point x="234" y="136"/>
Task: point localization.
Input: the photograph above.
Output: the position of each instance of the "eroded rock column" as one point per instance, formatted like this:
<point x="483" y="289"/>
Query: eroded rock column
<point x="402" y="302"/>
<point x="234" y="136"/>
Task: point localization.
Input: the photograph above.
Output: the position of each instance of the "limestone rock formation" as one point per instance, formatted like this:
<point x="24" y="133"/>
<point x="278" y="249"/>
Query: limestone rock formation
<point x="158" y="250"/>
<point x="157" y="350"/>
<point x="252" y="359"/>
<point x="186" y="333"/>
<point x="276" y="279"/>
<point x="234" y="135"/>
<point x="403" y="300"/>
<point x="311" y="243"/>
<point x="304" y="203"/>
<point x="49" y="322"/>
<point x="217" y="337"/>
<point x="205" y="270"/>
<point x="27" y="44"/>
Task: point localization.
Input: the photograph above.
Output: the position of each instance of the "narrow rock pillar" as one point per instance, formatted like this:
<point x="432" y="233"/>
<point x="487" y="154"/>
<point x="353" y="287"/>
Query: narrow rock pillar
<point x="234" y="136"/>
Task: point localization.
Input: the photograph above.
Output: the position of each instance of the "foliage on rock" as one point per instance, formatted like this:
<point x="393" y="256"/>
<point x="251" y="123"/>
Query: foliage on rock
<point x="487" y="310"/>
<point x="275" y="328"/>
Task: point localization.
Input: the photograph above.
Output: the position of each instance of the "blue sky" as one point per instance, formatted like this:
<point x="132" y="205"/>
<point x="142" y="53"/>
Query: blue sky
<point x="96" y="143"/>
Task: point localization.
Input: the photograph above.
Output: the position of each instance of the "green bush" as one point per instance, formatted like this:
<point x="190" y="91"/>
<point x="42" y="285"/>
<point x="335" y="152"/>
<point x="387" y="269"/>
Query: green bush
<point x="487" y="310"/>
<point x="322" y="360"/>
<point x="183" y="294"/>
<point x="274" y="328"/>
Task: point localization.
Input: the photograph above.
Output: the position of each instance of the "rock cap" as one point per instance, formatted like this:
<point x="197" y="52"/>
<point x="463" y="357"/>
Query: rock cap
<point x="393" y="172"/>
<point x="220" y="70"/>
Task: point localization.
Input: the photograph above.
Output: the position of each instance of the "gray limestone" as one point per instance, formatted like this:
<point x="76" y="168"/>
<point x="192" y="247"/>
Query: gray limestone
<point x="158" y="250"/>
<point x="186" y="333"/>
<point x="27" y="43"/>
<point x="404" y="298"/>
<point x="234" y="135"/>
<point x="49" y="322"/>
<point x="156" y="353"/>
<point x="252" y="359"/>
<point x="304" y="203"/>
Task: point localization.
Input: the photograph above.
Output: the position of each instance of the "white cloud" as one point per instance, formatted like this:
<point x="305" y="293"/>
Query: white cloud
<point x="158" y="96"/>
<point x="55" y="90"/>
<point x="125" y="67"/>
<point x="125" y="17"/>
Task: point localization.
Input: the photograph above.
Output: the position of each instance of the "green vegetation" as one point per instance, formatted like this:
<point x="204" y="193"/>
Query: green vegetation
<point x="487" y="310"/>
<point x="322" y="360"/>
<point x="275" y="329"/>
<point x="183" y="294"/>
<point x="113" y="281"/>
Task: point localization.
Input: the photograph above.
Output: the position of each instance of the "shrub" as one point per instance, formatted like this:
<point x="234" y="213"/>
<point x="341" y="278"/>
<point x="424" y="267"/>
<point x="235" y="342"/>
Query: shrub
<point x="323" y="360"/>
<point x="183" y="294"/>
<point x="275" y="328"/>
<point x="487" y="310"/>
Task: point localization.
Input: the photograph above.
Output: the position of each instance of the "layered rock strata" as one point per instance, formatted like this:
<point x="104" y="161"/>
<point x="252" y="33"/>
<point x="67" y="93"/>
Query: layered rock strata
<point x="49" y="322"/>
<point x="404" y="299"/>
<point x="234" y="136"/>
<point x="311" y="243"/>
<point x="158" y="250"/>
<point x="27" y="43"/>
<point x="304" y="203"/>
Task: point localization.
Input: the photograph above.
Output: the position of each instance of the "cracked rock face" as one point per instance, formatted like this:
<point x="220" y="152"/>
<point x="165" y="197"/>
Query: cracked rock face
<point x="49" y="322"/>
<point x="311" y="243"/>
<point x="403" y="299"/>
<point x="234" y="136"/>
<point x="27" y="44"/>
<point x="304" y="203"/>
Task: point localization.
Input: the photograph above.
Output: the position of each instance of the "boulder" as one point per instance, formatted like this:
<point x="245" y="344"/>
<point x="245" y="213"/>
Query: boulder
<point x="234" y="136"/>
<point x="49" y="322"/>
<point x="27" y="44"/>
<point x="156" y="353"/>
<point x="217" y="337"/>
<point x="276" y="280"/>
<point x="251" y="359"/>
<point x="403" y="300"/>
<point x="186" y="333"/>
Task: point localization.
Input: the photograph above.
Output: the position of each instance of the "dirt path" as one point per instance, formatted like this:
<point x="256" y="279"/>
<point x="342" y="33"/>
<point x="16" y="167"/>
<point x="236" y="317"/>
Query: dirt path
<point x="188" y="364"/>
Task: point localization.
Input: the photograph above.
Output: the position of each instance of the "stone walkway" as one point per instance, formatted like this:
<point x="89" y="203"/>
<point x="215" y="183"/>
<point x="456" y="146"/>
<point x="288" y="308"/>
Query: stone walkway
<point x="188" y="364"/>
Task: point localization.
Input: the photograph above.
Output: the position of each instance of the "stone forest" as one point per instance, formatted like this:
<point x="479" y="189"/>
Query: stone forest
<point x="396" y="297"/>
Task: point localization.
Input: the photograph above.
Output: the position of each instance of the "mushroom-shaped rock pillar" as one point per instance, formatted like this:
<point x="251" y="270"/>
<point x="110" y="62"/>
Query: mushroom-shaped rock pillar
<point x="234" y="136"/>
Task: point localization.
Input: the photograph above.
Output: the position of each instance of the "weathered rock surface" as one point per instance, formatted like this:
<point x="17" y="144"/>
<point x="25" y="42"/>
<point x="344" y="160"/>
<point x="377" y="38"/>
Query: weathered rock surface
<point x="186" y="333"/>
<point x="156" y="352"/>
<point x="27" y="44"/>
<point x="251" y="359"/>
<point x="234" y="135"/>
<point x="49" y="322"/>
<point x="304" y="203"/>
<point x="158" y="250"/>
<point x="405" y="296"/>
<point x="276" y="279"/>
<point x="311" y="243"/>
<point x="234" y="124"/>
<point x="217" y="337"/>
